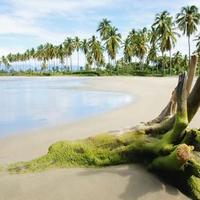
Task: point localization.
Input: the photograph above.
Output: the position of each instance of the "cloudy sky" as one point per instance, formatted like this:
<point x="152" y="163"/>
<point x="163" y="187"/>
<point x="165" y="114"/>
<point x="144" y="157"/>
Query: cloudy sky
<point x="28" y="23"/>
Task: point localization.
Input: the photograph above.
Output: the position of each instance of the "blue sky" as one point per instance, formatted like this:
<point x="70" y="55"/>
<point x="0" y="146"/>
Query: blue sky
<point x="29" y="23"/>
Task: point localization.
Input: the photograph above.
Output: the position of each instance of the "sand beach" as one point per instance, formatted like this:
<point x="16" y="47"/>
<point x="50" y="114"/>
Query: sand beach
<point x="123" y="182"/>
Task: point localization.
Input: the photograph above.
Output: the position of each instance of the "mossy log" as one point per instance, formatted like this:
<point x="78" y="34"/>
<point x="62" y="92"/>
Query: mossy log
<point x="164" y="145"/>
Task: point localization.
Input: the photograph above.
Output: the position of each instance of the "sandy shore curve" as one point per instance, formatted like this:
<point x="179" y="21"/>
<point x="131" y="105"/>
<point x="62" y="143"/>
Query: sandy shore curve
<point x="125" y="182"/>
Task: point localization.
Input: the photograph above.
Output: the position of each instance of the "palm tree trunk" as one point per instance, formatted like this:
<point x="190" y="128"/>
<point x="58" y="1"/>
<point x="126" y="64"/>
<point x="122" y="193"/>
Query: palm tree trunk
<point x="85" y="61"/>
<point x="163" y="66"/>
<point x="78" y="60"/>
<point x="170" y="56"/>
<point x="66" y="62"/>
<point x="189" y="49"/>
<point x="71" y="62"/>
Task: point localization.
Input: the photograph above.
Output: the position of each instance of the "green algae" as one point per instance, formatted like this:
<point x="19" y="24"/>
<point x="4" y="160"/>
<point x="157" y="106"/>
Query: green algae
<point x="96" y="151"/>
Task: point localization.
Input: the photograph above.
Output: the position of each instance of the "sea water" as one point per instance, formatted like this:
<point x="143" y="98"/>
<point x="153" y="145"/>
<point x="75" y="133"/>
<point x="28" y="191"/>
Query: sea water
<point x="28" y="103"/>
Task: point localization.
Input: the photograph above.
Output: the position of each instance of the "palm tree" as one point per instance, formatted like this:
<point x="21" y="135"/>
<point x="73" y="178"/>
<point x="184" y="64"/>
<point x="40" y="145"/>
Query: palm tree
<point x="60" y="54"/>
<point x="128" y="50"/>
<point x="128" y="46"/>
<point x="162" y="28"/>
<point x="32" y="55"/>
<point x="5" y="61"/>
<point x="170" y="38"/>
<point x="104" y="28"/>
<point x="197" y="38"/>
<point x="113" y="43"/>
<point x="18" y="58"/>
<point x="9" y="58"/>
<point x="187" y="21"/>
<point x="153" y="49"/>
<point x="152" y="54"/>
<point x="85" y="48"/>
<point x="89" y="61"/>
<point x="98" y="53"/>
<point x="49" y="54"/>
<point x="131" y="37"/>
<point x="140" y="45"/>
<point x="177" y="58"/>
<point x="77" y="45"/>
<point x="40" y="55"/>
<point x="185" y="62"/>
<point x="92" y="45"/>
<point x="69" y="45"/>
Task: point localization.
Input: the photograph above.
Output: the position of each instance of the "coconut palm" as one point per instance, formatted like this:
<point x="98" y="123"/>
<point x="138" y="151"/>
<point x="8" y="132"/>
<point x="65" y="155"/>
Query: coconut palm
<point x="60" y="54"/>
<point x="98" y="53"/>
<point x="140" y="45"/>
<point x="128" y="46"/>
<point x="152" y="54"/>
<point x="161" y="26"/>
<point x="92" y="45"/>
<point x="89" y="61"/>
<point x="69" y="45"/>
<point x="85" y="48"/>
<point x="187" y="21"/>
<point x="153" y="48"/>
<point x="77" y="45"/>
<point x="26" y="59"/>
<point x="9" y="58"/>
<point x="40" y="55"/>
<point x="113" y="42"/>
<point x="104" y="28"/>
<point x="32" y="56"/>
<point x="170" y="38"/>
<point x="5" y="61"/>
<point x="96" y="50"/>
<point x="197" y="38"/>
<point x="177" y="58"/>
<point x="128" y="50"/>
<point x="49" y="54"/>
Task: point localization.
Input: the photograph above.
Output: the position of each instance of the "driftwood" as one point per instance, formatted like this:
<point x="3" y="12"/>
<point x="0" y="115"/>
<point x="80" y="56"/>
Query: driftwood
<point x="164" y="145"/>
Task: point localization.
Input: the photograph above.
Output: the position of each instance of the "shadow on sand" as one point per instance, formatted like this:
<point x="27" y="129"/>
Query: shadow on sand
<point x="133" y="182"/>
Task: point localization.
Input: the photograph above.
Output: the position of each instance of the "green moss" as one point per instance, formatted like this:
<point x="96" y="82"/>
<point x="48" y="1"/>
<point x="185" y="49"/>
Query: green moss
<point x="196" y="141"/>
<point x="193" y="189"/>
<point x="97" y="151"/>
<point x="109" y="149"/>
<point x="175" y="161"/>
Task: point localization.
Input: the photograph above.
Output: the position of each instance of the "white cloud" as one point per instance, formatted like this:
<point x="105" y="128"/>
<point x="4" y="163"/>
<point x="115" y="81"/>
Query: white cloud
<point x="40" y="19"/>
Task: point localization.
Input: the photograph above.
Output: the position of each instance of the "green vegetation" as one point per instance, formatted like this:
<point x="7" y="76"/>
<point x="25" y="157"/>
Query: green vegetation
<point x="100" y="150"/>
<point x="141" y="50"/>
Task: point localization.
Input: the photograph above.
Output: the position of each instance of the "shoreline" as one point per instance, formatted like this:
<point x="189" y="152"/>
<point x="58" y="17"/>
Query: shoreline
<point x="153" y="93"/>
<point x="116" y="119"/>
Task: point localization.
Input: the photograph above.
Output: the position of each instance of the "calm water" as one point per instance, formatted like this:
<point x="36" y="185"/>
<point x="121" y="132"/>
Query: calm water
<point x="31" y="103"/>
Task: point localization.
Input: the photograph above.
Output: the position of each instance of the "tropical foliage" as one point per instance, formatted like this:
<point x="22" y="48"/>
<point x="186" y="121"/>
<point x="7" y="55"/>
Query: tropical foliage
<point x="142" y="52"/>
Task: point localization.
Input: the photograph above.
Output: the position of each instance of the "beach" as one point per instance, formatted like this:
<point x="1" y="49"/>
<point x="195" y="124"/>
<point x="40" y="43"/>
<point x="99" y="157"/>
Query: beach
<point x="117" y="182"/>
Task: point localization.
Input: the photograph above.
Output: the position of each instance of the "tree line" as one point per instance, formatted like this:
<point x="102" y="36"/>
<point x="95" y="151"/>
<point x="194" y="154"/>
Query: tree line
<point x="143" y="50"/>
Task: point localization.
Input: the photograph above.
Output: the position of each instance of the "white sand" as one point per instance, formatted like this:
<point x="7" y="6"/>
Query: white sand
<point x="118" y="182"/>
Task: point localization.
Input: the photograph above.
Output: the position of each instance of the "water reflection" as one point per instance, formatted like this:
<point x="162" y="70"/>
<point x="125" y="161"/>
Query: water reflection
<point x="28" y="103"/>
